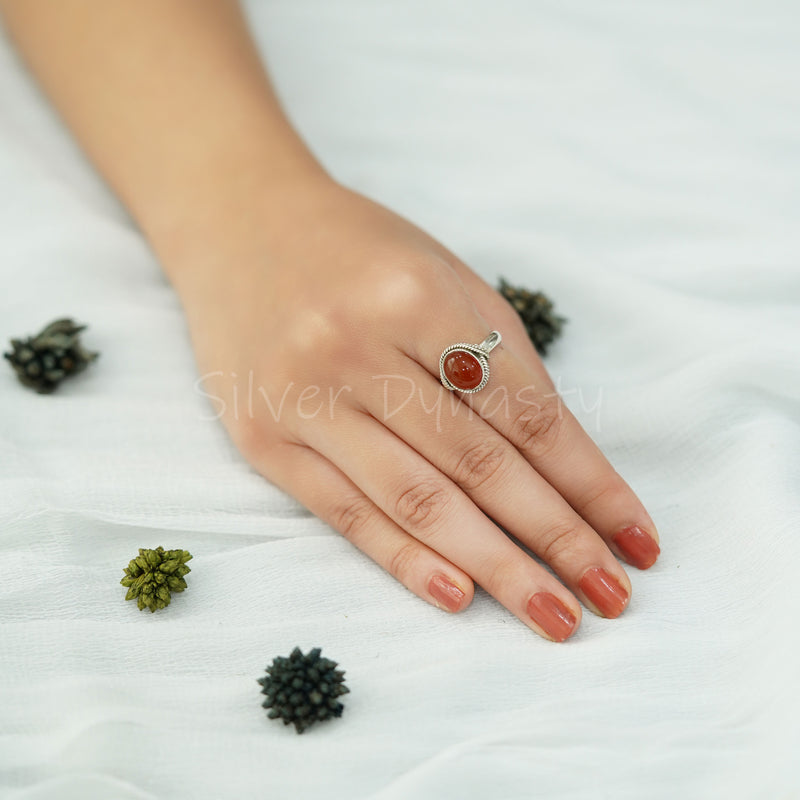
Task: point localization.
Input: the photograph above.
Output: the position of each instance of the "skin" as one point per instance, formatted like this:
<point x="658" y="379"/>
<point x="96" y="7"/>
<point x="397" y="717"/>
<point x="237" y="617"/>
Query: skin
<point x="291" y="281"/>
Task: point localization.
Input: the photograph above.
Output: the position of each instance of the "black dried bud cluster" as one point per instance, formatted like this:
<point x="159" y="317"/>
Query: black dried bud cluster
<point x="302" y="689"/>
<point x="43" y="361"/>
<point x="153" y="575"/>
<point x="536" y="311"/>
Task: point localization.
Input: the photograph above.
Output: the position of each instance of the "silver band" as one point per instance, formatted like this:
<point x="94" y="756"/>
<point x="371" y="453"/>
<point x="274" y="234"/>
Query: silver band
<point x="490" y="342"/>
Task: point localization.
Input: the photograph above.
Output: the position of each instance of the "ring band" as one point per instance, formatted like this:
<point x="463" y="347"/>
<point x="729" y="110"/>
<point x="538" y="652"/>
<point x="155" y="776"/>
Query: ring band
<point x="465" y="367"/>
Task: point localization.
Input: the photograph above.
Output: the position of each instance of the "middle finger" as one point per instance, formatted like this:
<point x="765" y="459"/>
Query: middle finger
<point x="427" y="505"/>
<point x="492" y="472"/>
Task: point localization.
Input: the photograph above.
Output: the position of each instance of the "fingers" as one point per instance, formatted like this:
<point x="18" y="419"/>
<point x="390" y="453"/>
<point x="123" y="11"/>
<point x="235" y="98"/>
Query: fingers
<point x="521" y="403"/>
<point x="328" y="494"/>
<point x="492" y="472"/>
<point x="554" y="443"/>
<point x="426" y="504"/>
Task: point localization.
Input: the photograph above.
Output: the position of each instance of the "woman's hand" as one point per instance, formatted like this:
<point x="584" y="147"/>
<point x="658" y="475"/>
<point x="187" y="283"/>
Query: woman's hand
<point x="318" y="320"/>
<point x="333" y="312"/>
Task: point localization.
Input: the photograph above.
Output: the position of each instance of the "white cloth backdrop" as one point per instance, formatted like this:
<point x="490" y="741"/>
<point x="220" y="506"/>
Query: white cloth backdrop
<point x="641" y="163"/>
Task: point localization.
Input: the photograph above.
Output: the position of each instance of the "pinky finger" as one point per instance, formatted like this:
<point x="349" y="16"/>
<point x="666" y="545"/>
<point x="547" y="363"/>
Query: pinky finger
<point x="329" y="494"/>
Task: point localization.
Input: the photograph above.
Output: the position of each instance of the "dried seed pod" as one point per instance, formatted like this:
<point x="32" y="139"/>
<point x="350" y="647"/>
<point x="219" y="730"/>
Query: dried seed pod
<point x="43" y="361"/>
<point x="536" y="311"/>
<point x="302" y="689"/>
<point x="153" y="575"/>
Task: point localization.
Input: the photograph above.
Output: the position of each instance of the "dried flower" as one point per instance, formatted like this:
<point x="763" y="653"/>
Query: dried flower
<point x="536" y="312"/>
<point x="153" y="575"/>
<point x="302" y="689"/>
<point x="43" y="361"/>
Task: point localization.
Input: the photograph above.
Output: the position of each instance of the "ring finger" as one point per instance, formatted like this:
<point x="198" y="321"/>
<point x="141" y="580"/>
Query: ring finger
<point x="491" y="471"/>
<point x="430" y="507"/>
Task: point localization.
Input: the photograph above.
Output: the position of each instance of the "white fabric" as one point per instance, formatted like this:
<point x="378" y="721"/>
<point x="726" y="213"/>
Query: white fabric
<point x="638" y="161"/>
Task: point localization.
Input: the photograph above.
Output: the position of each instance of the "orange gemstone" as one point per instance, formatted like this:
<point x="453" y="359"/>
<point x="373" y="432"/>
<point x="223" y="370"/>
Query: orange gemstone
<point x="462" y="369"/>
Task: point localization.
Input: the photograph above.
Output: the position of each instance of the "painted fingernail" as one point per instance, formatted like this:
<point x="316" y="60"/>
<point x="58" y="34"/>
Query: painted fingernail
<point x="551" y="615"/>
<point x="445" y="593"/>
<point x="637" y="546"/>
<point x="604" y="592"/>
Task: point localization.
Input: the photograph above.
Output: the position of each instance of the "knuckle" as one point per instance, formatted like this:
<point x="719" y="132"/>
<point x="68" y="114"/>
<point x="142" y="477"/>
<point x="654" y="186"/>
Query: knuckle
<point x="404" y="291"/>
<point x="607" y="493"/>
<point x="311" y="334"/>
<point x="393" y="290"/>
<point x="405" y="283"/>
<point x="419" y="506"/>
<point x="479" y="464"/>
<point x="402" y="561"/>
<point x="409" y="285"/>
<point x="499" y="572"/>
<point x="559" y="539"/>
<point x="538" y="426"/>
<point x="350" y="515"/>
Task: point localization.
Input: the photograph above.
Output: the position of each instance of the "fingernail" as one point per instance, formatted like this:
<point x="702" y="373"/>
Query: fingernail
<point x="445" y="593"/>
<point x="604" y="592"/>
<point x="638" y="547"/>
<point x="551" y="615"/>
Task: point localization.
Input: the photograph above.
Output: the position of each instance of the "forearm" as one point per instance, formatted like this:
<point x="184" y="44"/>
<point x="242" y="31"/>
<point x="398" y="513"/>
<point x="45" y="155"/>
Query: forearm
<point x="170" y="101"/>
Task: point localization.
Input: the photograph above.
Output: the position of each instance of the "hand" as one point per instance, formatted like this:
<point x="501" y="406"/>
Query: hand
<point x="332" y="313"/>
<point x="313" y="292"/>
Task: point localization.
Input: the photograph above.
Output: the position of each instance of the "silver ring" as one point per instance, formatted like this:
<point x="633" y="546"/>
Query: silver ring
<point x="465" y="367"/>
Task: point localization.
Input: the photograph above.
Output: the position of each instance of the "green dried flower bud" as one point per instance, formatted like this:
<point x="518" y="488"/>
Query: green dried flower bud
<point x="176" y="584"/>
<point x="153" y="575"/>
<point x="41" y="362"/>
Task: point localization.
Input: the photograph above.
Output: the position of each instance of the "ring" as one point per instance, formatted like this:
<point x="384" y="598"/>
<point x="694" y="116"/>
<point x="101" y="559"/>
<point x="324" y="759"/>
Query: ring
<point x="465" y="367"/>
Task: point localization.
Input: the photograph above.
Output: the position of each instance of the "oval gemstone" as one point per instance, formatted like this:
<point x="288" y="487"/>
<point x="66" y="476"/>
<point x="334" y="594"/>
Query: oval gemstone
<point x="462" y="369"/>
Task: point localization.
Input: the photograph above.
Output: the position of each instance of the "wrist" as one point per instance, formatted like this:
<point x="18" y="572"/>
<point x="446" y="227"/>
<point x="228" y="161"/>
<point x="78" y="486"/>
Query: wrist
<point x="239" y="224"/>
<point x="199" y="230"/>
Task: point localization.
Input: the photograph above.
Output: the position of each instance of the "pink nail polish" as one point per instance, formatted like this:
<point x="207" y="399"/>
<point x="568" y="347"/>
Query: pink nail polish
<point x="637" y="546"/>
<point x="604" y="592"/>
<point x="445" y="593"/>
<point x="551" y="615"/>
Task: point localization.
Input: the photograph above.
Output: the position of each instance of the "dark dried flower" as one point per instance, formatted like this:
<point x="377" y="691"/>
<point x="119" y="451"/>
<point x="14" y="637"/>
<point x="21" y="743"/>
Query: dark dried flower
<point x="536" y="312"/>
<point x="43" y="361"/>
<point x="153" y="575"/>
<point x="302" y="689"/>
